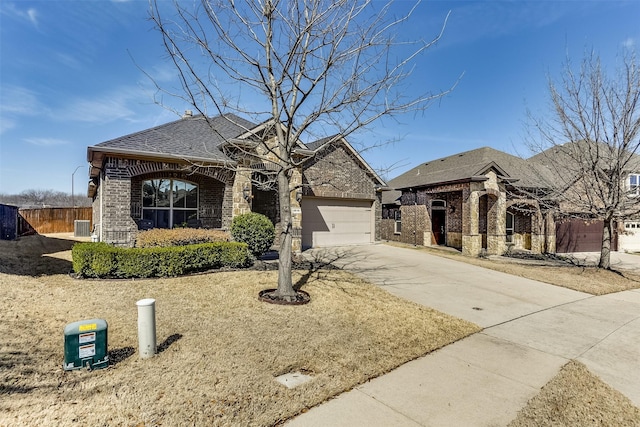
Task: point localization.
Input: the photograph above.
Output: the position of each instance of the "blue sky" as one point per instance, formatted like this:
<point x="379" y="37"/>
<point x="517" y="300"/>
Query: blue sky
<point x="70" y="77"/>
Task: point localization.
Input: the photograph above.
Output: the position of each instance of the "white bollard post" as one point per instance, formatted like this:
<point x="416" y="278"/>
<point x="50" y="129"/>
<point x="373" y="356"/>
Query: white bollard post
<point x="146" y="327"/>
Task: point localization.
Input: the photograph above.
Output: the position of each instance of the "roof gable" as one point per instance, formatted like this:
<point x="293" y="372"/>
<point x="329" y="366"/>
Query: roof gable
<point x="318" y="145"/>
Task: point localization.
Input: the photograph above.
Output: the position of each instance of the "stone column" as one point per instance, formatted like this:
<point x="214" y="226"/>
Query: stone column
<point x="295" y="185"/>
<point x="496" y="224"/>
<point x="550" y="232"/>
<point x="537" y="233"/>
<point x="471" y="239"/>
<point x="241" y="183"/>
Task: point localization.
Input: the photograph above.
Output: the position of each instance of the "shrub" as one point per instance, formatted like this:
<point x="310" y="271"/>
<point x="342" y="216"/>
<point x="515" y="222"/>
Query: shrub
<point x="179" y="237"/>
<point x="93" y="259"/>
<point x="254" y="229"/>
<point x="102" y="260"/>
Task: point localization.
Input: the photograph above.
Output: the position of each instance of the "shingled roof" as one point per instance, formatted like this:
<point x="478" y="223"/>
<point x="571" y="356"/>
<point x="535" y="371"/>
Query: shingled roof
<point x="466" y="166"/>
<point x="190" y="138"/>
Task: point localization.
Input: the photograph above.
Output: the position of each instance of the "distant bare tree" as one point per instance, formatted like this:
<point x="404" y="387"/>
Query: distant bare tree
<point x="40" y="198"/>
<point x="590" y="143"/>
<point x="302" y="67"/>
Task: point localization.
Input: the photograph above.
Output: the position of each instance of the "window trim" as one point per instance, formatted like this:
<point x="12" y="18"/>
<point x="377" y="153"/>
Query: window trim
<point x="634" y="189"/>
<point x="509" y="236"/>
<point x="170" y="203"/>
<point x="397" y="224"/>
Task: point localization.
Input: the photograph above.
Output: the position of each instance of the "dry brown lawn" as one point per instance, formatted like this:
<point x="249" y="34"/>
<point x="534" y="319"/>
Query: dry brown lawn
<point x="576" y="397"/>
<point x="219" y="347"/>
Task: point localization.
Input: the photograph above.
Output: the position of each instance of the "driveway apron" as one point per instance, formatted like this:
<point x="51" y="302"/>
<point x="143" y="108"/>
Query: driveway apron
<point x="531" y="329"/>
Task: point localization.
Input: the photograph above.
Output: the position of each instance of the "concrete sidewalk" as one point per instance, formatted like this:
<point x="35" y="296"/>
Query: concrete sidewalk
<point x="531" y="330"/>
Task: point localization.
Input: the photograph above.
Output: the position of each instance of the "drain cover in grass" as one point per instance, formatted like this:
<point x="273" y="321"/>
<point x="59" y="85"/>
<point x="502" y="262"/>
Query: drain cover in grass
<point x="293" y="379"/>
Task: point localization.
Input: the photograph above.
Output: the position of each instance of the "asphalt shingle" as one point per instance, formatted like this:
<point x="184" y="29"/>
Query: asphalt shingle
<point x="189" y="137"/>
<point x="466" y="165"/>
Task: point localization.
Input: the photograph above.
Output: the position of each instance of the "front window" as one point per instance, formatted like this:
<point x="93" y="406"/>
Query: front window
<point x="509" y="227"/>
<point x="398" y="222"/>
<point x="168" y="202"/>
<point x="634" y="184"/>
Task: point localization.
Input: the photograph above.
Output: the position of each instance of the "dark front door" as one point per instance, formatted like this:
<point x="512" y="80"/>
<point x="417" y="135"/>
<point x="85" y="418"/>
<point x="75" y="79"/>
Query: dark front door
<point x="438" y="226"/>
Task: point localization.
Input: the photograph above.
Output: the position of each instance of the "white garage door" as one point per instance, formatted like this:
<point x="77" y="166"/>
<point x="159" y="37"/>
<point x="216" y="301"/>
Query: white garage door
<point x="629" y="241"/>
<point x="334" y="222"/>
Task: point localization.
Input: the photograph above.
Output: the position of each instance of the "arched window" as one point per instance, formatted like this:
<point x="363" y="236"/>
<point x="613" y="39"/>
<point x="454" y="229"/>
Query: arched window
<point x="169" y="202"/>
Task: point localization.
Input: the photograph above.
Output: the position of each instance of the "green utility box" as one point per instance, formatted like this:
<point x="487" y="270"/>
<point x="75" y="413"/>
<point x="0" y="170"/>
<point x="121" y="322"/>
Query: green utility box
<point x="85" y="345"/>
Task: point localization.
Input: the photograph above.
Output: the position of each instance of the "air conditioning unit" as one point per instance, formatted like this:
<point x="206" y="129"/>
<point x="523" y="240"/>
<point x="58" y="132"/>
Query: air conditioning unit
<point x="81" y="228"/>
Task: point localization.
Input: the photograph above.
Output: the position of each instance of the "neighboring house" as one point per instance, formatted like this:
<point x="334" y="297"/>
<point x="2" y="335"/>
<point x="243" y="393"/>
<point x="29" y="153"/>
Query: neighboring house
<point x="590" y="180"/>
<point x="202" y="172"/>
<point x="478" y="201"/>
<point x="468" y="201"/>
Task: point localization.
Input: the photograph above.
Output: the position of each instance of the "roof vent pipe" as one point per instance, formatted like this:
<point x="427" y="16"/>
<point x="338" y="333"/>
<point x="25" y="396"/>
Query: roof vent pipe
<point x="187" y="113"/>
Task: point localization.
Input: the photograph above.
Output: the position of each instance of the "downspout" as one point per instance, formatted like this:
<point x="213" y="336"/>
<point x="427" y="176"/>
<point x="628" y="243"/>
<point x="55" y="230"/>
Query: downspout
<point x="415" y="218"/>
<point x="102" y="181"/>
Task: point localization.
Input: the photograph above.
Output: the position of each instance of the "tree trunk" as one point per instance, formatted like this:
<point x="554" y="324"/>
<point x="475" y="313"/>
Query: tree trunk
<point x="607" y="237"/>
<point x="285" y="284"/>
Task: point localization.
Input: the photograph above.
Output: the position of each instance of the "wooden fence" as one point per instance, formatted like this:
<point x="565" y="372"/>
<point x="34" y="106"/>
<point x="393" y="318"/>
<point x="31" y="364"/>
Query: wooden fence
<point x="54" y="220"/>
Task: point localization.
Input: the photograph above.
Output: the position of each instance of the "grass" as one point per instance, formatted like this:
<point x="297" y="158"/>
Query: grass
<point x="219" y="347"/>
<point x="576" y="397"/>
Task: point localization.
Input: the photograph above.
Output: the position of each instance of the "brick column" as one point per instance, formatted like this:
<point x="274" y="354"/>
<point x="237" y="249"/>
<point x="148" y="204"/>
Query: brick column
<point x="117" y="226"/>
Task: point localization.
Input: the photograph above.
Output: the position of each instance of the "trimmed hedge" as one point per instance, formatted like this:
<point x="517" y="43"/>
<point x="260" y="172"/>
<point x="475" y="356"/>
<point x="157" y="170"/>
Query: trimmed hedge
<point x="179" y="237"/>
<point x="103" y="260"/>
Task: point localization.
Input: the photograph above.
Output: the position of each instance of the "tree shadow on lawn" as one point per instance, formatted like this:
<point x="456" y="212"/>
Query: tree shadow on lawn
<point x="315" y="261"/>
<point x="27" y="256"/>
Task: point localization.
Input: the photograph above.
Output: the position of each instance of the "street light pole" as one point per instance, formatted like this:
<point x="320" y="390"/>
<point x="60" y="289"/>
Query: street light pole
<point x="73" y="200"/>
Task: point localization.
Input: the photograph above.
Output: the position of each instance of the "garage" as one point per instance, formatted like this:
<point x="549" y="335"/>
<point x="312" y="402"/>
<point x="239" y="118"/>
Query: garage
<point x="578" y="235"/>
<point x="335" y="222"/>
<point x="630" y="239"/>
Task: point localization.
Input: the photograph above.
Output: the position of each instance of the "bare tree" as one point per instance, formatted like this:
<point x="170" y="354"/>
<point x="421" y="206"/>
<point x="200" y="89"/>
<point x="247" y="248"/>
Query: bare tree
<point x="39" y="198"/>
<point x="590" y="143"/>
<point x="303" y="68"/>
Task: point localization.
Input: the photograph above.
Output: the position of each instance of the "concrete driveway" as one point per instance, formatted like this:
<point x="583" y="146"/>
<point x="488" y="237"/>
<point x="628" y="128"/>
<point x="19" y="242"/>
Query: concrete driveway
<point x="531" y="330"/>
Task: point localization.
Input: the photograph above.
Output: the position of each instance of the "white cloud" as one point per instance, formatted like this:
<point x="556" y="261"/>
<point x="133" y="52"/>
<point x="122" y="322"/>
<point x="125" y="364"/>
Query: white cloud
<point x="6" y="124"/>
<point x="69" y="61"/>
<point x="46" y="142"/>
<point x="30" y="15"/>
<point x="629" y="43"/>
<point x="18" y="100"/>
<point x="105" y="108"/>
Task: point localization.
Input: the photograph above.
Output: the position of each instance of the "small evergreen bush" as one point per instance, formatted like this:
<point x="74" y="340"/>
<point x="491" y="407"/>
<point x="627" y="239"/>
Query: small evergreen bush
<point x="254" y="229"/>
